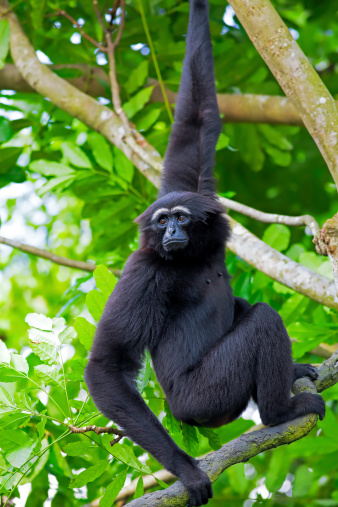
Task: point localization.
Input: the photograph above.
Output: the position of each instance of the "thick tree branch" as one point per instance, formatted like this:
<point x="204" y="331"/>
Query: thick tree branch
<point x="235" y="108"/>
<point x="280" y="268"/>
<point x="45" y="254"/>
<point x="294" y="73"/>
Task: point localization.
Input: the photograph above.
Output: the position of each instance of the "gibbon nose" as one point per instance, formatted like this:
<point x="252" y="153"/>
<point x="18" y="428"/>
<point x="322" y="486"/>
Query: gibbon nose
<point x="172" y="230"/>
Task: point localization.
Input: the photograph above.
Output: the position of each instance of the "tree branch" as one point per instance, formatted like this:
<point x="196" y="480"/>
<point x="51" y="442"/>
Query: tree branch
<point x="294" y="73"/>
<point x="45" y="254"/>
<point x="246" y="108"/>
<point x="280" y="268"/>
<point x="273" y="218"/>
<point x="235" y="108"/>
<point x="61" y="12"/>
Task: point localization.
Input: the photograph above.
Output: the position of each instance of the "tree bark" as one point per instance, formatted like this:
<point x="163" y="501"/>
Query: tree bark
<point x="294" y="73"/>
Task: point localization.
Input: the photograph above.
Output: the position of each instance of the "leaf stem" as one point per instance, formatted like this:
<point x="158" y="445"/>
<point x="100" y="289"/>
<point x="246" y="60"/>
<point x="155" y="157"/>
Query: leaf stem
<point x="157" y="68"/>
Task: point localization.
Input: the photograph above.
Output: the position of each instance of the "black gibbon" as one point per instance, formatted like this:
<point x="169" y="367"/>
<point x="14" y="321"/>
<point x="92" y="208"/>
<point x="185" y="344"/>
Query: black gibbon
<point x="211" y="351"/>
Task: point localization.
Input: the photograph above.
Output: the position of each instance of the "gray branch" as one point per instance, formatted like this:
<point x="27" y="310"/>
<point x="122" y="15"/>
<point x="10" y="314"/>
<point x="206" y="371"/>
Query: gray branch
<point x="45" y="254"/>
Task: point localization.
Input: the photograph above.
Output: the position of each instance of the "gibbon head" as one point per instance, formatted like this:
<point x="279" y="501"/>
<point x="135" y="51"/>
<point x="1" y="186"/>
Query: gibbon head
<point x="183" y="224"/>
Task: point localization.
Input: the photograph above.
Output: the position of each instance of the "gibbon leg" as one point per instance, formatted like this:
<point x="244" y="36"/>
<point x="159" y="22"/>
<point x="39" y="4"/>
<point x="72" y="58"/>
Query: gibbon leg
<point x="253" y="358"/>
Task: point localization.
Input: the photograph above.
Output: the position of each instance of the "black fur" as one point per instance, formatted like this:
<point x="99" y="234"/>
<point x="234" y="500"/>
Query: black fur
<point x="211" y="351"/>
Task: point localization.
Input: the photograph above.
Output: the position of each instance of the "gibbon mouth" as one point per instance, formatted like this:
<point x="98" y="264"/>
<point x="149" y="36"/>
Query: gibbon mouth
<point x="174" y="244"/>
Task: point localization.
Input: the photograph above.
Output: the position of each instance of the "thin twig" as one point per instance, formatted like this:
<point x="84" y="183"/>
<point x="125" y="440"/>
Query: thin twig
<point x="61" y="12"/>
<point x="98" y="430"/>
<point x="115" y="441"/>
<point x="274" y="218"/>
<point x="111" y="46"/>
<point x="45" y="254"/>
<point x="157" y="68"/>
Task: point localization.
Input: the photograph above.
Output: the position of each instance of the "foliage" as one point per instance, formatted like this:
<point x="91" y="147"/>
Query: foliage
<point x="64" y="188"/>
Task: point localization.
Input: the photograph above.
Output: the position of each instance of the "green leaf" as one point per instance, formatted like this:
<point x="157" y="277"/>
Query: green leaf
<point x="35" y="335"/>
<point x="91" y="474"/>
<point x="96" y="302"/>
<point x="293" y="308"/>
<point x="277" y="236"/>
<point x="148" y="116"/>
<point x="36" y="13"/>
<point x="8" y="159"/>
<point x="125" y="454"/>
<point x="222" y="142"/>
<point x="77" y="365"/>
<point x="214" y="440"/>
<point x="249" y="146"/>
<point x="19" y="363"/>
<point x="161" y="483"/>
<point x="85" y="332"/>
<point x="190" y="440"/>
<point x="137" y="102"/>
<point x="137" y="77"/>
<point x="19" y="456"/>
<point x="101" y="151"/>
<point x="113" y="490"/>
<point x="5" y="356"/>
<point x="172" y="424"/>
<point x="67" y="335"/>
<point x="78" y="448"/>
<point x="274" y="137"/>
<point x="6" y="401"/>
<point x="6" y="131"/>
<point x="58" y="183"/>
<point x="9" y="374"/>
<point x="41" y="426"/>
<point x="48" y="374"/>
<point x="105" y="280"/>
<point x="75" y="155"/>
<point x="45" y="351"/>
<point x="123" y="167"/>
<point x="4" y="41"/>
<point x="144" y="374"/>
<point x="39" y="321"/>
<point x="49" y="168"/>
<point x="10" y="440"/>
<point x="309" y="337"/>
<point x="139" y="491"/>
<point x="13" y="421"/>
<point x="302" y="482"/>
<point x="281" y="158"/>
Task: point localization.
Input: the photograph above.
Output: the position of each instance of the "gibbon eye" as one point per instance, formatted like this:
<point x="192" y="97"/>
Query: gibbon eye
<point x="163" y="220"/>
<point x="181" y="218"/>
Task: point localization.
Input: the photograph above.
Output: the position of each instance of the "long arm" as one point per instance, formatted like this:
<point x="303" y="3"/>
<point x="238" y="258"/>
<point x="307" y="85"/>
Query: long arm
<point x="130" y="319"/>
<point x="189" y="160"/>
